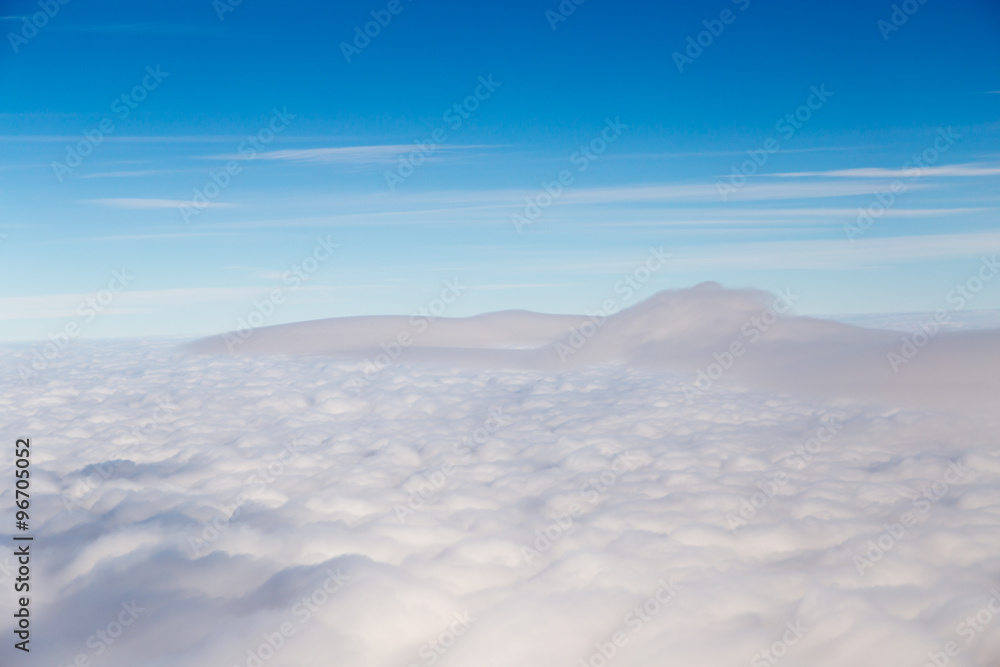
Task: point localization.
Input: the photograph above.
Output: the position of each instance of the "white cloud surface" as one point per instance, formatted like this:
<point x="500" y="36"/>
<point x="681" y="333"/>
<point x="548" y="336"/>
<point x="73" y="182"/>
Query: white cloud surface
<point x="644" y="494"/>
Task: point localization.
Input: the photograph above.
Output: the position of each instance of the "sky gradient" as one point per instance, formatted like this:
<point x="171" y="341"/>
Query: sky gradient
<point x="213" y="154"/>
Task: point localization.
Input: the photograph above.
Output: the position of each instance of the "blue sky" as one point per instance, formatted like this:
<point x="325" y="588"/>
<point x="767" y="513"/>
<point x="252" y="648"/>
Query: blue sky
<point x="663" y="145"/>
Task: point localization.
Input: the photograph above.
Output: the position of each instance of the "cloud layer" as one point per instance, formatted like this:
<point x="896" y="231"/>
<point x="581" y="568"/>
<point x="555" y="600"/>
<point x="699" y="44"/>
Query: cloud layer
<point x="268" y="509"/>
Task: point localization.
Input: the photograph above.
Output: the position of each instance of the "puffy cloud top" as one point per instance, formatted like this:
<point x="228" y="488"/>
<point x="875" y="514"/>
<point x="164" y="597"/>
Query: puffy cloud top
<point x="481" y="500"/>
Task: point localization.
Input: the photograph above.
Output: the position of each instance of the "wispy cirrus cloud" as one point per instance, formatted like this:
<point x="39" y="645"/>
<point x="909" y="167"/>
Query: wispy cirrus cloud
<point x="877" y="172"/>
<point x="360" y="155"/>
<point x="135" y="203"/>
<point x="139" y="237"/>
<point x="161" y="139"/>
<point x="709" y="193"/>
<point x="830" y="254"/>
<point x="133" y="173"/>
<point x="53" y="306"/>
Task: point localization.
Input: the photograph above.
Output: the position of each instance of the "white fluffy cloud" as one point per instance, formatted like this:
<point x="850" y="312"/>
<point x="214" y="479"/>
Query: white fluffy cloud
<point x="500" y="506"/>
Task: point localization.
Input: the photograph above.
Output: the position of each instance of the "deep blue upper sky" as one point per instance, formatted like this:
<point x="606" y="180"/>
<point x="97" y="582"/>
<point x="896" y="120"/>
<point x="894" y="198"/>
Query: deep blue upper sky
<point x="655" y="184"/>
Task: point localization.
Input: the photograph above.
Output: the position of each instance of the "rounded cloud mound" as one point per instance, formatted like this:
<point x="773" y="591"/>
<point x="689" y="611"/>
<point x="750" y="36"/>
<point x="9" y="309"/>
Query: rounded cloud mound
<point x="732" y="337"/>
